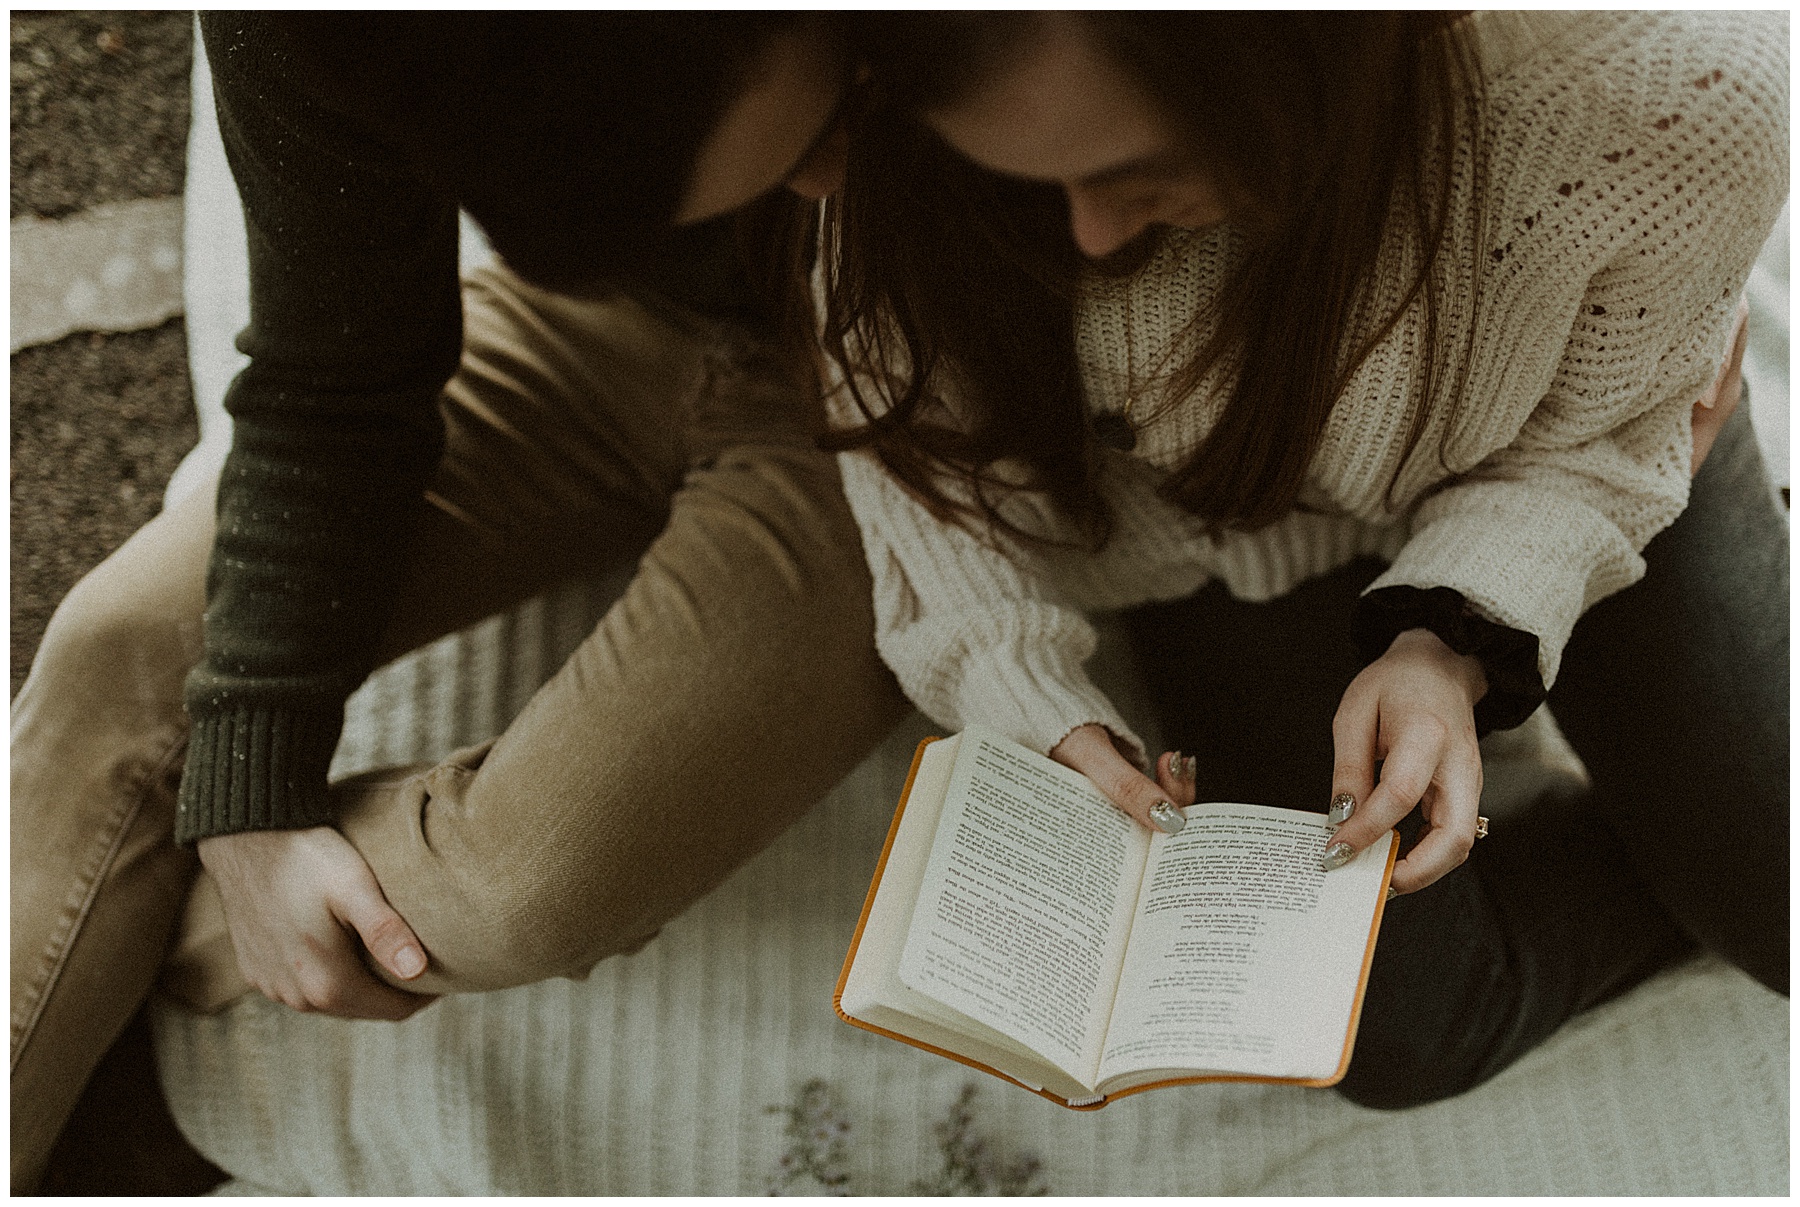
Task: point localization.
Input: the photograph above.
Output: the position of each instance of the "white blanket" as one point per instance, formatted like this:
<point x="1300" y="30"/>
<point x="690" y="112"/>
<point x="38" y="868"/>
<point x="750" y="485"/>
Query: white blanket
<point x="661" y="1073"/>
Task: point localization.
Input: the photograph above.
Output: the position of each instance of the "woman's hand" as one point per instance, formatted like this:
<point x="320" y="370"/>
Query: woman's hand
<point x="296" y="902"/>
<point x="1089" y="749"/>
<point x="1412" y="709"/>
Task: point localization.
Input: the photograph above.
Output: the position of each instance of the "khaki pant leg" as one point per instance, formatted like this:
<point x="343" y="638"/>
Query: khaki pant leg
<point x="561" y="455"/>
<point x="732" y="685"/>
<point x="97" y="738"/>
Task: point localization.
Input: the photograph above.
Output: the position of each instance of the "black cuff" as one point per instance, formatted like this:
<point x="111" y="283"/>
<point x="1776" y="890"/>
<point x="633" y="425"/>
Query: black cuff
<point x="1508" y="656"/>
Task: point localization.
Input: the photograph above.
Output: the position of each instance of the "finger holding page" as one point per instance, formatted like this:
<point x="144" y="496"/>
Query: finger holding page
<point x="1450" y="806"/>
<point x="1353" y="732"/>
<point x="1154" y="804"/>
<point x="1406" y="774"/>
<point x="1449" y="802"/>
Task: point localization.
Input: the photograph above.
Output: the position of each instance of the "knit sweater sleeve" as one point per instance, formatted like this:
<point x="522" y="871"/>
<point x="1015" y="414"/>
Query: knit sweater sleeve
<point x="972" y="634"/>
<point x="355" y="326"/>
<point x="1557" y="519"/>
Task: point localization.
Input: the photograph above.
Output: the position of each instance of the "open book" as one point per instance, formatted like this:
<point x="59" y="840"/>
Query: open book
<point x="1021" y="924"/>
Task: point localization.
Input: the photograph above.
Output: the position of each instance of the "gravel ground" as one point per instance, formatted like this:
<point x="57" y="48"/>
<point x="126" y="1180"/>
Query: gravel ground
<point x="99" y="113"/>
<point x="99" y="108"/>
<point x="98" y="424"/>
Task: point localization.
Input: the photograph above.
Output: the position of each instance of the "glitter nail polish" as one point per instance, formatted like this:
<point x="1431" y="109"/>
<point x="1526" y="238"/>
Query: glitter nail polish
<point x="1342" y="806"/>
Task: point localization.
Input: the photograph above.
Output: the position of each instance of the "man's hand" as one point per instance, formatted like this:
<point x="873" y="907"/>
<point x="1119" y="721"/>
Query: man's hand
<point x="1089" y="749"/>
<point x="296" y="902"/>
<point x="1412" y="709"/>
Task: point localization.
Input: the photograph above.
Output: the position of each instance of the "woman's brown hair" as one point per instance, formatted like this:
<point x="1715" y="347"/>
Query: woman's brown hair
<point x="1335" y="126"/>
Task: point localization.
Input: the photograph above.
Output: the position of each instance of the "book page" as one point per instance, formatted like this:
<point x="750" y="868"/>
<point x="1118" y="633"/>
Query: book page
<point x="872" y="991"/>
<point x="1026" y="901"/>
<point x="1246" y="957"/>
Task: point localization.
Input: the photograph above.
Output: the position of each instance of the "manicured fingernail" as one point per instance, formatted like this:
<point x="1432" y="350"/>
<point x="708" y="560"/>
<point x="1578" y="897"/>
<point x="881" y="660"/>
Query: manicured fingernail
<point x="1392" y="892"/>
<point x="1342" y="806"/>
<point x="1191" y="767"/>
<point x="1175" y="765"/>
<point x="1337" y="855"/>
<point x="1167" y="817"/>
<point x="409" y="962"/>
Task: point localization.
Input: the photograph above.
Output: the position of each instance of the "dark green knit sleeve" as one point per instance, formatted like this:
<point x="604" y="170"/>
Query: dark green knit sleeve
<point x="355" y="326"/>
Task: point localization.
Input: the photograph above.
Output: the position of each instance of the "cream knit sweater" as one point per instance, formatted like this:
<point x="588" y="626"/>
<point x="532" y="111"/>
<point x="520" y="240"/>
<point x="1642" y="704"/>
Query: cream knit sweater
<point x="1636" y="162"/>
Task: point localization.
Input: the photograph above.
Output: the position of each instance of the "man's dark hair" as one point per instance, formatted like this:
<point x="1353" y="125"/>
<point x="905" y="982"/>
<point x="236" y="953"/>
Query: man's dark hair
<point x="567" y="135"/>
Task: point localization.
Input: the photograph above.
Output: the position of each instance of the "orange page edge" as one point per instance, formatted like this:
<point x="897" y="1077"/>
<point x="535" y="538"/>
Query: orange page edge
<point x="869" y="904"/>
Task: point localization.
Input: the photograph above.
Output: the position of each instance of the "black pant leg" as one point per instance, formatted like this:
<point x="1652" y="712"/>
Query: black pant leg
<point x="1251" y="688"/>
<point x="1674" y="693"/>
<point x="1546" y="919"/>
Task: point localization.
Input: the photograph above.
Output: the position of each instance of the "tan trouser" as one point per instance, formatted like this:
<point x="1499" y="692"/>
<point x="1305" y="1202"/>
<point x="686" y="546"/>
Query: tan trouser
<point x="730" y="687"/>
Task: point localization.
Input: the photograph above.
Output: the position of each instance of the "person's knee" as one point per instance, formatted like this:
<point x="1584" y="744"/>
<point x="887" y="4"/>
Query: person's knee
<point x="1448" y="1000"/>
<point x="555" y="918"/>
<point x="516" y="886"/>
<point x="1422" y="1059"/>
<point x="145" y="603"/>
<point x="1387" y="1085"/>
<point x="499" y="927"/>
<point x="126" y="643"/>
<point x="1772" y="977"/>
<point x="1765" y="957"/>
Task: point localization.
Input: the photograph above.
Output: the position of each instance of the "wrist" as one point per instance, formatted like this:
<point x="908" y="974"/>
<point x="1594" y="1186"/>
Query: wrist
<point x="1466" y="669"/>
<point x="1509" y="657"/>
<point x="218" y="850"/>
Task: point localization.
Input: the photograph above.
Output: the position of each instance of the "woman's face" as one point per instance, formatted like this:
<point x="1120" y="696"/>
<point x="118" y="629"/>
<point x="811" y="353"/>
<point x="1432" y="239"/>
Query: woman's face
<point x="783" y="128"/>
<point x="1065" y="113"/>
